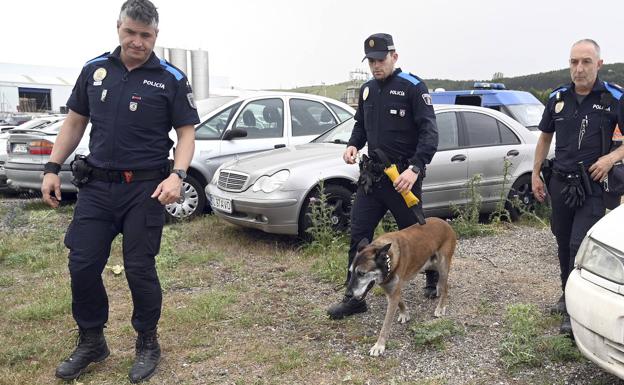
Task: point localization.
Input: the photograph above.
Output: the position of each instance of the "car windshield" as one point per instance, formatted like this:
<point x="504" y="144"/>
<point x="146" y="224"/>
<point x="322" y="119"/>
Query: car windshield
<point x="529" y="115"/>
<point x="339" y="134"/>
<point x="35" y="124"/>
<point x="206" y="106"/>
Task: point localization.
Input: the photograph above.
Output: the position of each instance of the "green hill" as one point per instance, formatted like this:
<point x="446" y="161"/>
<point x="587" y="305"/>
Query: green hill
<point x="539" y="84"/>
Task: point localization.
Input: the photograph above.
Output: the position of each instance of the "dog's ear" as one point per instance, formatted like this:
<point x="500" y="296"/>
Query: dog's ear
<point x="382" y="252"/>
<point x="362" y="244"/>
<point x="384" y="249"/>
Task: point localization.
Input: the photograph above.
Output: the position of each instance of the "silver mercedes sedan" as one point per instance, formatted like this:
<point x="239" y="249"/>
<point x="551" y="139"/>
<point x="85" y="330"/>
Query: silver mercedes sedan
<point x="272" y="191"/>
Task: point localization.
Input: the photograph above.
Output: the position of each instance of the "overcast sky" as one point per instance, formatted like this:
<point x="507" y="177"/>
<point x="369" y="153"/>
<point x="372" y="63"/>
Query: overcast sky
<point x="288" y="43"/>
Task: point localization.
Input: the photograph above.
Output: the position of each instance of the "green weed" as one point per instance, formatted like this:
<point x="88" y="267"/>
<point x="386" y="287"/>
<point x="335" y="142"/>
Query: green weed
<point x="434" y="333"/>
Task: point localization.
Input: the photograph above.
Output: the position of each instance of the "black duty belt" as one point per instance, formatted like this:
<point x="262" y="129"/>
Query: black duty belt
<point x="127" y="176"/>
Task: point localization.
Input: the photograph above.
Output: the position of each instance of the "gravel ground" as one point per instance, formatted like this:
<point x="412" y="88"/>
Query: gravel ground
<point x="518" y="265"/>
<point x="488" y="273"/>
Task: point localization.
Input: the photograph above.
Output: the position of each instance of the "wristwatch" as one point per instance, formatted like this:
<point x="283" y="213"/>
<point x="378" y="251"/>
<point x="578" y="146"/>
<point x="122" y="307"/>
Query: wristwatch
<point x="179" y="172"/>
<point x="415" y="169"/>
<point x="51" y="168"/>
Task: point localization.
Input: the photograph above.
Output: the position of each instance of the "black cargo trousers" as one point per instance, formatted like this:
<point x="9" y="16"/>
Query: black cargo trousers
<point x="569" y="225"/>
<point x="103" y="211"/>
<point x="368" y="210"/>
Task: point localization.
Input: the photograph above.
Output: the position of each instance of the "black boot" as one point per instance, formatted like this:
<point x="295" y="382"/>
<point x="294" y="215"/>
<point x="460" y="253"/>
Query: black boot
<point x="348" y="306"/>
<point x="566" y="325"/>
<point x="559" y="307"/>
<point x="431" y="287"/>
<point x="147" y="356"/>
<point x="91" y="347"/>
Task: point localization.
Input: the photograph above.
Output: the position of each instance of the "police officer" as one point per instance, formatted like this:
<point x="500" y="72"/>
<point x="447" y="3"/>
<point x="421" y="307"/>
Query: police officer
<point x="395" y="117"/>
<point x="133" y="99"/>
<point x="583" y="114"/>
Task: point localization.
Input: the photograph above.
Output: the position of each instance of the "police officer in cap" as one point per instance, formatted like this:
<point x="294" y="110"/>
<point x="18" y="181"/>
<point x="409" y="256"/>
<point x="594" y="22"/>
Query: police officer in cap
<point x="583" y="114"/>
<point x="133" y="99"/>
<point x="395" y="117"/>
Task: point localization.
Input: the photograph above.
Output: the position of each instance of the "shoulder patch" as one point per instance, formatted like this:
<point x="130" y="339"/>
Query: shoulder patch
<point x="614" y="89"/>
<point x="409" y="77"/>
<point x="103" y="56"/>
<point x="174" y="71"/>
<point x="560" y="89"/>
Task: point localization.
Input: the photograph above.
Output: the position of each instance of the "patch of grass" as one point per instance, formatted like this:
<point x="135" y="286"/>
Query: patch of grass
<point x="201" y="258"/>
<point x="338" y="361"/>
<point x="288" y="359"/>
<point x="331" y="265"/>
<point x="466" y="222"/>
<point x="434" y="333"/>
<point x="524" y="344"/>
<point x="50" y="302"/>
<point x="211" y="306"/>
<point x="6" y="281"/>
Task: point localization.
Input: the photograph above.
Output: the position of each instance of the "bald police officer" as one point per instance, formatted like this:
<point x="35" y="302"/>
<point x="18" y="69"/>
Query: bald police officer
<point x="583" y="114"/>
<point x="395" y="117"/>
<point x="133" y="99"/>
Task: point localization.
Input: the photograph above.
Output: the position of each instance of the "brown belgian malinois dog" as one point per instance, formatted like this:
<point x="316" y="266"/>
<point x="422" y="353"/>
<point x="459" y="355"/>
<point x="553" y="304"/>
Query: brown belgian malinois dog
<point x="393" y="259"/>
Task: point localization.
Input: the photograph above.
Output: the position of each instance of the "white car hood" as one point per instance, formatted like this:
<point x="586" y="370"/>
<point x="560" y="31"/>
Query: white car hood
<point x="608" y="230"/>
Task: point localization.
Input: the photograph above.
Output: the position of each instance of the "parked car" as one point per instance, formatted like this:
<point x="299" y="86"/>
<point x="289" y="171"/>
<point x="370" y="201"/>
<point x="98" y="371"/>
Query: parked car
<point x="250" y="123"/>
<point x="4" y="135"/>
<point x="520" y="105"/>
<point x="272" y="191"/>
<point x="17" y="156"/>
<point x="30" y="149"/>
<point x="30" y="145"/>
<point x="595" y="294"/>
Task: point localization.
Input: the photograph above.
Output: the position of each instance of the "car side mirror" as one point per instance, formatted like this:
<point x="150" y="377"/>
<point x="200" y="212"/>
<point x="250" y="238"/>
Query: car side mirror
<point x="235" y="133"/>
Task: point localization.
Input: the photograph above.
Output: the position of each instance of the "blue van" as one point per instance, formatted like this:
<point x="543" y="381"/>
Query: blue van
<point x="520" y="105"/>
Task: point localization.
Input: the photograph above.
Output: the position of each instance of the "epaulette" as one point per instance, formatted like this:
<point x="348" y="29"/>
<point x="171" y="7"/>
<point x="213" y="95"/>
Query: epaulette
<point x="171" y="69"/>
<point x="103" y="56"/>
<point x="557" y="92"/>
<point x="415" y="80"/>
<point x="614" y="89"/>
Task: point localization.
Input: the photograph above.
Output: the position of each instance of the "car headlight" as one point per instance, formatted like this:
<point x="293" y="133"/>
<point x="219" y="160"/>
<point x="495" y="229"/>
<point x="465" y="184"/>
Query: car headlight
<point x="601" y="260"/>
<point x="271" y="183"/>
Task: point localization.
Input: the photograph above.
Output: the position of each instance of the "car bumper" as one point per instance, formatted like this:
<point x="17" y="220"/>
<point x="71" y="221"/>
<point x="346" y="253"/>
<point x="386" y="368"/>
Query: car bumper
<point x="277" y="215"/>
<point x="23" y="176"/>
<point x="597" y="316"/>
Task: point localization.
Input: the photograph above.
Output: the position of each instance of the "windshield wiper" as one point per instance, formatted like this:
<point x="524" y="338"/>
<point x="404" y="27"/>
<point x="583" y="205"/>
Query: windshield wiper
<point x="338" y="141"/>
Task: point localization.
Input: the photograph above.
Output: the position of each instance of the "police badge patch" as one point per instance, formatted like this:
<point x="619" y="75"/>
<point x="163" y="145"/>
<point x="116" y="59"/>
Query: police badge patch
<point x="402" y="113"/>
<point x="365" y="93"/>
<point x="191" y="100"/>
<point x="427" y="99"/>
<point x="133" y="106"/>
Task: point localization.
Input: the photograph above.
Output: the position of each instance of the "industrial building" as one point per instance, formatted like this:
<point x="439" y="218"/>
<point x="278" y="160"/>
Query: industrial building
<point x="28" y="88"/>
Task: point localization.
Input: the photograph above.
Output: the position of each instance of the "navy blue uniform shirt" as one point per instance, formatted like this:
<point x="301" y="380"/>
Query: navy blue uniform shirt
<point x="396" y="115"/>
<point x="132" y="112"/>
<point x="578" y="126"/>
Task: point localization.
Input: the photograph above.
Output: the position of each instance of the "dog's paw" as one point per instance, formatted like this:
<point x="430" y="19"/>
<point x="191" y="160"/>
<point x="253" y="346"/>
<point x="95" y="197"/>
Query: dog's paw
<point x="377" y="350"/>
<point x="403" y="318"/>
<point x="440" y="311"/>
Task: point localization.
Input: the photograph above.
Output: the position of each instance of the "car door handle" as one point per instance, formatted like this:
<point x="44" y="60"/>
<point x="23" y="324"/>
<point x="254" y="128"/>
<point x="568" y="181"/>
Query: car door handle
<point x="279" y="145"/>
<point x="513" y="153"/>
<point x="458" y="158"/>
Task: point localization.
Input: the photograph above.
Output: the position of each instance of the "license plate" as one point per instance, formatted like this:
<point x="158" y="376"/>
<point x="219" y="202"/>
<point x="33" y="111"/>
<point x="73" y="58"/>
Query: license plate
<point x="223" y="204"/>
<point x="20" y="148"/>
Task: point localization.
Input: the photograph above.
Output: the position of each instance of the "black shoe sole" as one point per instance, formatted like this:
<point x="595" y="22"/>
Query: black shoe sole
<point x="73" y="377"/>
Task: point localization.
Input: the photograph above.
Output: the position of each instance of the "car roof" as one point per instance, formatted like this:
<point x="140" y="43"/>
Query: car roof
<point x="488" y="97"/>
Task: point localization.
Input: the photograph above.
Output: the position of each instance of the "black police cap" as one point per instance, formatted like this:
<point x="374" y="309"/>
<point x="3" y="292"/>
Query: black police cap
<point x="376" y="46"/>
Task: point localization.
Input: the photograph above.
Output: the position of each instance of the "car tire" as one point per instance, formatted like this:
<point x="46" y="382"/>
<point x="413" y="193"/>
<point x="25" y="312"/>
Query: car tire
<point x="339" y="197"/>
<point x="192" y="204"/>
<point x="522" y="190"/>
